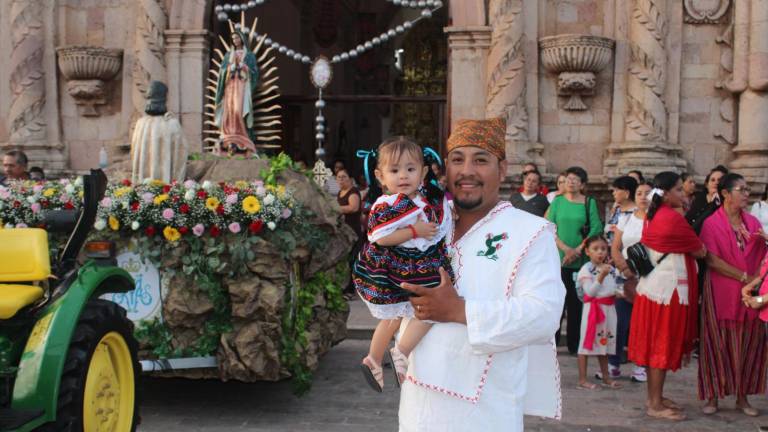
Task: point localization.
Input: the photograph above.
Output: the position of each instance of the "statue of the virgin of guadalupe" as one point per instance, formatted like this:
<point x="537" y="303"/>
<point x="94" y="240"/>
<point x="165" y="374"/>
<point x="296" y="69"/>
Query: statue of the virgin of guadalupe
<point x="238" y="81"/>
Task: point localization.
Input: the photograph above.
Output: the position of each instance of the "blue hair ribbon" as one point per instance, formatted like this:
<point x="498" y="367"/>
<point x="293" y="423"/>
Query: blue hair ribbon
<point x="429" y="152"/>
<point x="365" y="155"/>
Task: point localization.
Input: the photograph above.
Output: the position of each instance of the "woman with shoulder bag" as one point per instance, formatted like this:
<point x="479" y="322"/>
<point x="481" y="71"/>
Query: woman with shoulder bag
<point x="577" y="218"/>
<point x="664" y="323"/>
<point x="626" y="234"/>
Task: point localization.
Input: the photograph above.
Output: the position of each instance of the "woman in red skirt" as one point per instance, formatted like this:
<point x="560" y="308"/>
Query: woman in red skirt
<point x="664" y="324"/>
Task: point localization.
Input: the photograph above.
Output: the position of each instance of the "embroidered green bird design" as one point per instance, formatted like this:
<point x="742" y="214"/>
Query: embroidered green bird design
<point x="493" y="244"/>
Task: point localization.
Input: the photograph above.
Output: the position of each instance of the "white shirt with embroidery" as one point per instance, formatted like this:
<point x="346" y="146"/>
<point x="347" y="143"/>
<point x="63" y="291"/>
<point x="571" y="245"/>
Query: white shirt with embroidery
<point x="417" y="214"/>
<point x="483" y="376"/>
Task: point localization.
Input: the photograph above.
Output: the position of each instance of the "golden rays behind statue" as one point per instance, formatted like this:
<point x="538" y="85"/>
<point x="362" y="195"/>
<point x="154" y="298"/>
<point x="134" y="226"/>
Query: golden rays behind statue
<point x="240" y="116"/>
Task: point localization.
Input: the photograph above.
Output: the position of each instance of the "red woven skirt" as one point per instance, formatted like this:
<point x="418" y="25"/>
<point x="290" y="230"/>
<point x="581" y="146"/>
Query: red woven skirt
<point x="657" y="333"/>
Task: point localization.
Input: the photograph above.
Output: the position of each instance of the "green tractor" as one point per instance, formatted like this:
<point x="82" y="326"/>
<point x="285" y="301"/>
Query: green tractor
<point x="68" y="359"/>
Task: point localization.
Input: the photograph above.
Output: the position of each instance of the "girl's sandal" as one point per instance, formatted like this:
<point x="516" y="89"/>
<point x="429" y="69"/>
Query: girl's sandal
<point x="399" y="364"/>
<point x="614" y="385"/>
<point x="373" y="373"/>
<point x="587" y="386"/>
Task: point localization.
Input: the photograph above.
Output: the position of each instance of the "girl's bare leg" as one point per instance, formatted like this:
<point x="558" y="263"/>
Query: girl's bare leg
<point x="411" y="336"/>
<point x="583" y="368"/>
<point x="382" y="335"/>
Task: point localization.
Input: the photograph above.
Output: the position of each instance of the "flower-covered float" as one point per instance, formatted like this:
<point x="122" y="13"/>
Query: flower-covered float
<point x="248" y="271"/>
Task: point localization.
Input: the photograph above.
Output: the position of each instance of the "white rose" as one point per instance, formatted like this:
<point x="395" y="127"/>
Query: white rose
<point x="271" y="225"/>
<point x="189" y="195"/>
<point x="32" y="199"/>
<point x="135" y="225"/>
<point x="100" y="224"/>
<point x="78" y="181"/>
<point x="70" y="189"/>
<point x="207" y="185"/>
<point x="269" y="199"/>
<point x="260" y="191"/>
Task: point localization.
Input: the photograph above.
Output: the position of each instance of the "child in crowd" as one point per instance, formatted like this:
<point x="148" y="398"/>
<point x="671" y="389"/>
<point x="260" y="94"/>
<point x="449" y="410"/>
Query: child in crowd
<point x="597" y="280"/>
<point x="406" y="231"/>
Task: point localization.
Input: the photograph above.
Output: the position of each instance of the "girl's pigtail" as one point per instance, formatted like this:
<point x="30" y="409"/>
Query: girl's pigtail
<point x="434" y="193"/>
<point x="369" y="166"/>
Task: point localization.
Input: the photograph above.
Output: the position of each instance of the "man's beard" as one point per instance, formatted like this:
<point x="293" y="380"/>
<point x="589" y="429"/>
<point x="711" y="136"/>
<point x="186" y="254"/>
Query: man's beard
<point x="466" y="204"/>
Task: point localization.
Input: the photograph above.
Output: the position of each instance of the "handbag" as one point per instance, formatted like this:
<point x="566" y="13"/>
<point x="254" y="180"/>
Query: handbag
<point x="639" y="261"/>
<point x="586" y="228"/>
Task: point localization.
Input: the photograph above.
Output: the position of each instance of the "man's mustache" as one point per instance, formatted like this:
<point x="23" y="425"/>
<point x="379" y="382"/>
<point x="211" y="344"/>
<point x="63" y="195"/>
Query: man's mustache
<point x="467" y="180"/>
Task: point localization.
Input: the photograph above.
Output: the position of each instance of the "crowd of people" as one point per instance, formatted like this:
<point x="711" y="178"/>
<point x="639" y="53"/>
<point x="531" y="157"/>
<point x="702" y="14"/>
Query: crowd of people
<point x="699" y="296"/>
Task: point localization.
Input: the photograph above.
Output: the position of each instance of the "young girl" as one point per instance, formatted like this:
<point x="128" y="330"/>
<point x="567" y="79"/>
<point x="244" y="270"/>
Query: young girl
<point x="598" y="281"/>
<point x="405" y="244"/>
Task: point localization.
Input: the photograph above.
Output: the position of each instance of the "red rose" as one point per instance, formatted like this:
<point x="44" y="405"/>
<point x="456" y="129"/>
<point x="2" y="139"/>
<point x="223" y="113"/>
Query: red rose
<point x="44" y="203"/>
<point x="220" y="209"/>
<point x="183" y="230"/>
<point x="126" y="182"/>
<point x="228" y="190"/>
<point x="16" y="204"/>
<point x="184" y="208"/>
<point x="175" y="198"/>
<point x="68" y="205"/>
<point x="256" y="226"/>
<point x="201" y="194"/>
<point x="215" y="231"/>
<point x="135" y="206"/>
<point x="166" y="188"/>
<point x="150" y="231"/>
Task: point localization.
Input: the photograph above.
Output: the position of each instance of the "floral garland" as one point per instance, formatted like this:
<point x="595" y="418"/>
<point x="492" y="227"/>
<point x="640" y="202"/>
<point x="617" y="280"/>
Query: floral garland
<point x="154" y="207"/>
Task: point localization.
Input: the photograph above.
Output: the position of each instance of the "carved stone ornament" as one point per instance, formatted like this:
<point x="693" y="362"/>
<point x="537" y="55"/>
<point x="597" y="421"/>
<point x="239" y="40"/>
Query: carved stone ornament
<point x="706" y="11"/>
<point x="88" y="70"/>
<point x="576" y="58"/>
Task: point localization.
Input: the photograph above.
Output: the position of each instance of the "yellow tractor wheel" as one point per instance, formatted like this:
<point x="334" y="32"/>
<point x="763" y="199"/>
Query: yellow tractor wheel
<point x="98" y="388"/>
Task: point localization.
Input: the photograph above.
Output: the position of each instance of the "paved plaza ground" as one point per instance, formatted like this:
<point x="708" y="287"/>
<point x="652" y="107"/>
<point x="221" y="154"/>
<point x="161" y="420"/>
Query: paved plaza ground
<point x="340" y="401"/>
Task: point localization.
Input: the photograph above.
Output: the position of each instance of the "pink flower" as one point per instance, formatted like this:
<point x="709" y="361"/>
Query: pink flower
<point x="106" y="202"/>
<point x="37" y="188"/>
<point x="64" y="198"/>
<point x="4" y="193"/>
<point x="258" y="183"/>
<point x="22" y="225"/>
<point x="231" y="199"/>
<point x="234" y="227"/>
<point x="148" y="197"/>
<point x="286" y="213"/>
<point x="189" y="184"/>
<point x="35" y="207"/>
<point x="168" y="214"/>
<point x="198" y="230"/>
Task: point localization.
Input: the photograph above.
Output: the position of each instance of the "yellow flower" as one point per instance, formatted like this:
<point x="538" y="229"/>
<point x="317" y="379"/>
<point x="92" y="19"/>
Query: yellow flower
<point x="81" y="194"/>
<point x="171" y="234"/>
<point x="114" y="223"/>
<point x="251" y="204"/>
<point x="160" y="198"/>
<point x="281" y="191"/>
<point x="212" y="203"/>
<point x="157" y="183"/>
<point x="49" y="192"/>
<point x="122" y="191"/>
<point x="241" y="184"/>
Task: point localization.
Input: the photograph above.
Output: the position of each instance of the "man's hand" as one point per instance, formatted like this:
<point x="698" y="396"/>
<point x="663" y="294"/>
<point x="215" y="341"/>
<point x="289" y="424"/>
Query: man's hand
<point x="441" y="303"/>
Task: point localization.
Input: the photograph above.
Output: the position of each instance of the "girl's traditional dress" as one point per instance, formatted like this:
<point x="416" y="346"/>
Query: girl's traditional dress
<point x="598" y="324"/>
<point x="380" y="270"/>
<point x="664" y="322"/>
<point x="733" y="346"/>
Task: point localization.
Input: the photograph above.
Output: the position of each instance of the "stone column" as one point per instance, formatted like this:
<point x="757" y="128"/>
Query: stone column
<point x="467" y="71"/>
<point x="149" y="50"/>
<point x="187" y="59"/>
<point x="27" y="119"/>
<point x="643" y="141"/>
<point x="507" y="78"/>
<point x="751" y="83"/>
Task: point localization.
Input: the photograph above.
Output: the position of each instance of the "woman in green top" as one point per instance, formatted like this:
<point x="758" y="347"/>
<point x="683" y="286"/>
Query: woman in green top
<point x="569" y="214"/>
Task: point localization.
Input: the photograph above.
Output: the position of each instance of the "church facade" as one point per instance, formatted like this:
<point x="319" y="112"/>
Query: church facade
<point x="610" y="85"/>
